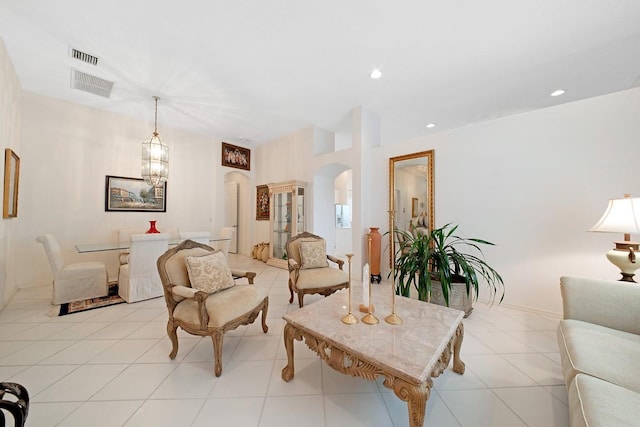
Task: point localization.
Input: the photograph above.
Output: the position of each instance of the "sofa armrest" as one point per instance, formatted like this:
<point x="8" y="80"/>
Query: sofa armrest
<point x="124" y="258"/>
<point x="293" y="264"/>
<point x="250" y="275"/>
<point x="603" y="302"/>
<point x="200" y="297"/>
<point x="183" y="291"/>
<point x="336" y="260"/>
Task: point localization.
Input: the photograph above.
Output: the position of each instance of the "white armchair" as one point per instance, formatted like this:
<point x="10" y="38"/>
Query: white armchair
<point x="197" y="236"/>
<point x="138" y="277"/>
<point x="74" y="282"/>
<point x="225" y="233"/>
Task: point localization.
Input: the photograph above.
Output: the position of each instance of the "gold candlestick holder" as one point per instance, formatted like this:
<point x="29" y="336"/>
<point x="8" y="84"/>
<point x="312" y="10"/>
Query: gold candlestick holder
<point x="350" y="319"/>
<point x="393" y="318"/>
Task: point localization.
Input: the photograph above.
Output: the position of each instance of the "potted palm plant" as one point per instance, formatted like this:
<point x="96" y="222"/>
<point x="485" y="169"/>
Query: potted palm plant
<point x="456" y="265"/>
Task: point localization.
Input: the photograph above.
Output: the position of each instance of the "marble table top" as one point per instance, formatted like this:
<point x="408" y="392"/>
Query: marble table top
<point x="409" y="351"/>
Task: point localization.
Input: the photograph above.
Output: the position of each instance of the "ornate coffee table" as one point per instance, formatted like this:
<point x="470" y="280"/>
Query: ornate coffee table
<point x="407" y="356"/>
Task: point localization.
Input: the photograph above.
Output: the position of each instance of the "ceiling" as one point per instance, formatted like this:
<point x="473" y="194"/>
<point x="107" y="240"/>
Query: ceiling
<point x="249" y="71"/>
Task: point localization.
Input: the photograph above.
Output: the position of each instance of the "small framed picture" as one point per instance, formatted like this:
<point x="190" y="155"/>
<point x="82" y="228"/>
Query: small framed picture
<point x="11" y="176"/>
<point x="236" y="157"/>
<point x="262" y="202"/>
<point x="414" y="207"/>
<point x="133" y="195"/>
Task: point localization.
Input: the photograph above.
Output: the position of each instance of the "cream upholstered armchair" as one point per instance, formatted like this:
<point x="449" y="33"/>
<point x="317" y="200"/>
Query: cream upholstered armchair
<point x="73" y="282"/>
<point x="138" y="277"/>
<point x="309" y="271"/>
<point x="202" y="297"/>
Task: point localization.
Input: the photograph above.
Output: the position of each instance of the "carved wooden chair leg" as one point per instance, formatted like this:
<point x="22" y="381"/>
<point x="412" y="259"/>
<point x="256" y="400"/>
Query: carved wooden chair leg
<point x="265" y="308"/>
<point x="300" y="297"/>
<point x="173" y="336"/>
<point x="290" y="291"/>
<point x="216" y="338"/>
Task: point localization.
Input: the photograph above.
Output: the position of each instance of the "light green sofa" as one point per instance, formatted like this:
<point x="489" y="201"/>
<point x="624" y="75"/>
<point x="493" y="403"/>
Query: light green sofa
<point x="599" y="340"/>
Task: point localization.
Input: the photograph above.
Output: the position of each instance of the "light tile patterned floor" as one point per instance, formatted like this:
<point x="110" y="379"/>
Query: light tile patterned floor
<point x="110" y="367"/>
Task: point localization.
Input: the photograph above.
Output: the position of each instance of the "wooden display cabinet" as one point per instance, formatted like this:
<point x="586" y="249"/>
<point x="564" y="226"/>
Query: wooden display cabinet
<point x="286" y="218"/>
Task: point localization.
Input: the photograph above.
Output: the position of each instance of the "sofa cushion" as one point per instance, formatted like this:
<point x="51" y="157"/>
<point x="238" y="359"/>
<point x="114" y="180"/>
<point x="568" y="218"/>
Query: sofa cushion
<point x="222" y="307"/>
<point x="176" y="266"/>
<point x="313" y="254"/>
<point x="601" y="352"/>
<point x="209" y="273"/>
<point x="594" y="402"/>
<point x="320" y="278"/>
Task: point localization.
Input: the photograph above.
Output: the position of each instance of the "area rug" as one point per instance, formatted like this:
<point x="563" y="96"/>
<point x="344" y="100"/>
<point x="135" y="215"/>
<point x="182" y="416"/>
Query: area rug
<point x="89" y="304"/>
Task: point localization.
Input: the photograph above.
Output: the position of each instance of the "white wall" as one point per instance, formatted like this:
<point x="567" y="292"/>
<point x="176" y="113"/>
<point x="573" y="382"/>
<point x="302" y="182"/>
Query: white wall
<point x="533" y="184"/>
<point x="10" y="116"/>
<point x="284" y="159"/>
<point x="68" y="149"/>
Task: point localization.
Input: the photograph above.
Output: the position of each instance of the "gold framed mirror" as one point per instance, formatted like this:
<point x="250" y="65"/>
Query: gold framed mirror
<point x="411" y="178"/>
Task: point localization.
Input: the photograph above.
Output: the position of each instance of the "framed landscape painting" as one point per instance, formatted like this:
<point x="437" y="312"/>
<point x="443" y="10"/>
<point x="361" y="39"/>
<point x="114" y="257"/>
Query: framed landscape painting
<point x="133" y="195"/>
<point x="236" y="157"/>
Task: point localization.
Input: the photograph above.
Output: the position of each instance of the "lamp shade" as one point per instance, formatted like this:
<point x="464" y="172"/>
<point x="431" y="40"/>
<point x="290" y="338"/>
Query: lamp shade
<point x="621" y="216"/>
<point x="155" y="156"/>
<point x="155" y="161"/>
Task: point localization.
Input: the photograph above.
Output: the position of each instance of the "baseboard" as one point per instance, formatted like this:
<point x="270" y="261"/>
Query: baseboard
<point x="546" y="313"/>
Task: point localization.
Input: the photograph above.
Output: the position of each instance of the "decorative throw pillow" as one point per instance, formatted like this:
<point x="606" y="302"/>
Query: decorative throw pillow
<point x="313" y="254"/>
<point x="209" y="273"/>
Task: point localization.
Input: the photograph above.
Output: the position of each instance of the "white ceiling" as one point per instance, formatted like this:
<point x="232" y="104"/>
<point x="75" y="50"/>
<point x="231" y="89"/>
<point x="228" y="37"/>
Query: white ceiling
<point x="259" y="69"/>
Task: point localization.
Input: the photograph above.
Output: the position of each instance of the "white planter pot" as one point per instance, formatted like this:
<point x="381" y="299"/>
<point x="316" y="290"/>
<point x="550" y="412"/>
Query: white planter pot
<point x="458" y="297"/>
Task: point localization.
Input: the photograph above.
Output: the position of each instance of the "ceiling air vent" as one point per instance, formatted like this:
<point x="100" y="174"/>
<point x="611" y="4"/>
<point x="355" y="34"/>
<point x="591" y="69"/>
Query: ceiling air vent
<point x="91" y="84"/>
<point x="84" y="57"/>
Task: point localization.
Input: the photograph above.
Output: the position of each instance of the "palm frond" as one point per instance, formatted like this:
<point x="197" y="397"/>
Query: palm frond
<point x="443" y="256"/>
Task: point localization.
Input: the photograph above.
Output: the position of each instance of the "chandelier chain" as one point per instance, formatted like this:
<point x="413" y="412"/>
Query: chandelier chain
<point x="155" y="123"/>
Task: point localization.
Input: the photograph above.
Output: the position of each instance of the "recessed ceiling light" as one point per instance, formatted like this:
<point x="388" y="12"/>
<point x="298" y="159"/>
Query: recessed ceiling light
<point x="431" y="125"/>
<point x="558" y="92"/>
<point x="376" y="74"/>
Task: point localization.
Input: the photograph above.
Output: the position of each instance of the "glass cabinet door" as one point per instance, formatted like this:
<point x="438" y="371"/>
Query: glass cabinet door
<point x="287" y="218"/>
<point x="281" y="223"/>
<point x="300" y="210"/>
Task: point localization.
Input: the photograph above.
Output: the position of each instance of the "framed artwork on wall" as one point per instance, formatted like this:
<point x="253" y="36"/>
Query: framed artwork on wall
<point x="133" y="195"/>
<point x="414" y="207"/>
<point x="11" y="176"/>
<point x="236" y="157"/>
<point x="262" y="202"/>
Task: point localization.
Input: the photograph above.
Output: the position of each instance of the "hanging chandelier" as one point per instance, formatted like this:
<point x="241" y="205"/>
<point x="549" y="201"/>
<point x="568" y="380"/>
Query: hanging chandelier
<point x="155" y="157"/>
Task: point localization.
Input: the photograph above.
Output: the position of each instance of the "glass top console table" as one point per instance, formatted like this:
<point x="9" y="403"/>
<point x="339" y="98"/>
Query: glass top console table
<point x="115" y="246"/>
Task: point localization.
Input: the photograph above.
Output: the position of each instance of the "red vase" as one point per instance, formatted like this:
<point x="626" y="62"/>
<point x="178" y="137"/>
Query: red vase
<point x="374" y="254"/>
<point x="152" y="228"/>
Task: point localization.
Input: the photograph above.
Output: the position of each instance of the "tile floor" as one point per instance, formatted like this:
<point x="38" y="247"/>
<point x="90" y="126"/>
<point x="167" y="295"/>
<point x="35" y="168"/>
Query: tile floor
<point x="110" y="367"/>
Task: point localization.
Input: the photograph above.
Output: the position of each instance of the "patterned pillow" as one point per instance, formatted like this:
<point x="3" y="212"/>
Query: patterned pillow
<point x="209" y="273"/>
<point x="313" y="254"/>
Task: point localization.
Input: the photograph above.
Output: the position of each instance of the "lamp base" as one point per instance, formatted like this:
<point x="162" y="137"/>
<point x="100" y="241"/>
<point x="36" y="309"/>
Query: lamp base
<point x="626" y="277"/>
<point x="624" y="257"/>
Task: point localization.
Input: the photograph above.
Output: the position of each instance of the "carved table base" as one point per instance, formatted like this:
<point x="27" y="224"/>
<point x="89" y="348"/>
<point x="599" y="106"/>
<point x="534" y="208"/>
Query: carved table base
<point x="415" y="394"/>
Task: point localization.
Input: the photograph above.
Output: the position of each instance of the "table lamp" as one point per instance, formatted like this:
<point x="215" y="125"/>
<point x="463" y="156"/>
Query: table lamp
<point x="622" y="216"/>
